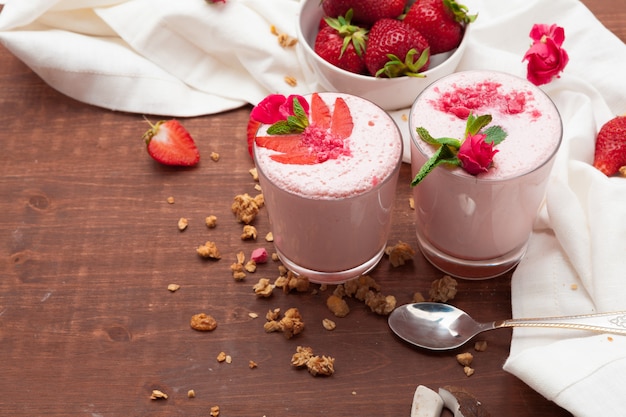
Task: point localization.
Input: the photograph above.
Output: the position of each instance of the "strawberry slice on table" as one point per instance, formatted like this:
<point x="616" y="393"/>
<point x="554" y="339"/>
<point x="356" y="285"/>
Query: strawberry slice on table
<point x="610" y="152"/>
<point x="169" y="143"/>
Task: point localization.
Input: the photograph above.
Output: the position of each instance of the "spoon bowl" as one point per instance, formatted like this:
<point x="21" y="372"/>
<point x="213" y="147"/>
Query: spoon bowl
<point x="438" y="326"/>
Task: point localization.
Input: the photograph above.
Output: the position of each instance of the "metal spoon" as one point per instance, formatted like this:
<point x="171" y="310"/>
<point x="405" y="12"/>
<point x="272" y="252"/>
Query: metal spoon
<point x="439" y="326"/>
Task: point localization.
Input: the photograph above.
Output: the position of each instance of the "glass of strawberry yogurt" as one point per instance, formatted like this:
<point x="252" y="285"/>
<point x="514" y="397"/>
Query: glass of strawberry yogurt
<point x="478" y="226"/>
<point x="329" y="185"/>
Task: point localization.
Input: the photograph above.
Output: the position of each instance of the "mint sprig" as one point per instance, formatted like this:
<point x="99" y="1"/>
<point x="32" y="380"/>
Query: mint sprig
<point x="295" y="123"/>
<point x="448" y="148"/>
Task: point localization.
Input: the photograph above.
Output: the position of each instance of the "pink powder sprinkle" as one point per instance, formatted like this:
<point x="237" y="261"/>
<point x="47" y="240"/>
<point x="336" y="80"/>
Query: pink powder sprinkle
<point x="463" y="100"/>
<point x="259" y="255"/>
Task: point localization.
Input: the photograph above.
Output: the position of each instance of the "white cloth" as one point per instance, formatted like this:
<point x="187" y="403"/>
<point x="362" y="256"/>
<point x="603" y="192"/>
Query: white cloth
<point x="186" y="58"/>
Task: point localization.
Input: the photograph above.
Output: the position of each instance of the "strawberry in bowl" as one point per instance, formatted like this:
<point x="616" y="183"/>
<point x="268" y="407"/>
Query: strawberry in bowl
<point x="352" y="24"/>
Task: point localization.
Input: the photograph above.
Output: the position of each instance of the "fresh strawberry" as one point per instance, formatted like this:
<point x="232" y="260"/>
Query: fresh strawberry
<point x="366" y="12"/>
<point x="170" y="143"/>
<point x="610" y="154"/>
<point x="441" y="22"/>
<point x="342" y="44"/>
<point x="394" y="49"/>
<point x="252" y="128"/>
<point x="320" y="113"/>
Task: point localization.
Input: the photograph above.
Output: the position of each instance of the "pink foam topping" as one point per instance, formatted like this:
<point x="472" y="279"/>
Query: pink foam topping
<point x="463" y="100"/>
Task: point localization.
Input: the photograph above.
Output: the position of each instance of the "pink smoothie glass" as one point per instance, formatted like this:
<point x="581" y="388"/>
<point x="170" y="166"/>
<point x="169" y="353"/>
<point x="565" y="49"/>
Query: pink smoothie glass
<point x="330" y="220"/>
<point x="478" y="226"/>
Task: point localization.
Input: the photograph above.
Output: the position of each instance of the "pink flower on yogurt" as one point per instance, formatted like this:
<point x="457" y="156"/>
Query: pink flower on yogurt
<point x="546" y="57"/>
<point x="276" y="107"/>
<point x="476" y="154"/>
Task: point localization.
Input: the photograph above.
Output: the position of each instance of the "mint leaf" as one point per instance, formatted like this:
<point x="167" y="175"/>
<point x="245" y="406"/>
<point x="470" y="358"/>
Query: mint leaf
<point x="426" y="137"/>
<point x="475" y="124"/>
<point x="495" y="135"/>
<point x="443" y="155"/>
<point x="279" y="128"/>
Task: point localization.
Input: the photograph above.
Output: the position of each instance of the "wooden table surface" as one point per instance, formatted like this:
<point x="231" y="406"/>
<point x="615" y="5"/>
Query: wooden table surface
<point x="88" y="326"/>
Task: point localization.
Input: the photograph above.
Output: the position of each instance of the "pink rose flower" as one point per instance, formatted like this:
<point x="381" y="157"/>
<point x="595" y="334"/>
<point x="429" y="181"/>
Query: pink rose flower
<point x="276" y="107"/>
<point x="546" y="58"/>
<point x="475" y="154"/>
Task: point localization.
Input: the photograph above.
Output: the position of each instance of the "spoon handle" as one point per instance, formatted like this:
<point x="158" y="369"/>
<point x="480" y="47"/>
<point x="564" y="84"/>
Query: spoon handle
<point x="614" y="322"/>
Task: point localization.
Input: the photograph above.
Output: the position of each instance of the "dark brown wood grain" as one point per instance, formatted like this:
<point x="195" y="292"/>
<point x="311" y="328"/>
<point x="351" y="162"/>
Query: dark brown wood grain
<point x="89" y="245"/>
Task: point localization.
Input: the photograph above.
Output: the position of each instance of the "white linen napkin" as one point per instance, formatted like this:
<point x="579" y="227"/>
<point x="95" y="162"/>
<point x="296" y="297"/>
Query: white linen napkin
<point x="188" y="58"/>
<point x="178" y="58"/>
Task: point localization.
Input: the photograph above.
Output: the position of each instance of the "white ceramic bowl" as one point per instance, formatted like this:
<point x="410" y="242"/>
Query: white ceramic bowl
<point x="388" y="93"/>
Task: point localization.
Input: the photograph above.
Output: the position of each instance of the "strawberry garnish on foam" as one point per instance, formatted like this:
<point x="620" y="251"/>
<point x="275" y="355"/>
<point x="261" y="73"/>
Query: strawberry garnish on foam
<point x="169" y="143"/>
<point x="297" y="141"/>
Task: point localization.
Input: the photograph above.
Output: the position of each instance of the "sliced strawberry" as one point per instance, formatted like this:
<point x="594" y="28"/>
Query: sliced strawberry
<point x="341" y="124"/>
<point x="610" y="152"/>
<point x="169" y="143"/>
<point x="253" y="127"/>
<point x="280" y="143"/>
<point x="297" y="158"/>
<point x="320" y="113"/>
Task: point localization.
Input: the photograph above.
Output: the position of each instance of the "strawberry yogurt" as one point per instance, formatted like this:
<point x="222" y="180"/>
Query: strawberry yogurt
<point x="330" y="220"/>
<point x="478" y="226"/>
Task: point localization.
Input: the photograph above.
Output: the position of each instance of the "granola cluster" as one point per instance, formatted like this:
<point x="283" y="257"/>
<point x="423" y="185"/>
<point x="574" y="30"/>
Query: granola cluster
<point x="363" y="288"/>
<point x="203" y="322"/>
<point x="399" y="253"/>
<point x="245" y="208"/>
<point x="316" y="365"/>
<point x="289" y="325"/>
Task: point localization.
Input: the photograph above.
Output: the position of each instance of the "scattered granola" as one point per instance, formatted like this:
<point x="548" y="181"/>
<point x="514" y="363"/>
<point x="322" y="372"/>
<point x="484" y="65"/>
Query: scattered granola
<point x="252" y="364"/>
<point x="263" y="288"/>
<point x="291" y="81"/>
<point x="399" y="253"/>
<point x="269" y="237"/>
<point x="209" y="250"/>
<point x="290" y="281"/>
<point x="480" y="346"/>
<point x="443" y="289"/>
<point x="170" y="200"/>
<point x="249" y="232"/>
<point x="290" y="324"/>
<point x="245" y="208"/>
<point x="365" y="289"/>
<point x="158" y="395"/>
<point x="465" y="358"/>
<point x="254" y="173"/>
<point x="411" y="203"/>
<point x="337" y="305"/>
<point x="418" y="297"/>
<point x="215" y="156"/>
<point x="215" y="411"/>
<point x="191" y="394"/>
<point x="210" y="221"/>
<point x="173" y="287"/>
<point x="238" y="271"/>
<point x="316" y="365"/>
<point x="328" y="324"/>
<point x="182" y="223"/>
<point x="250" y="266"/>
<point x="253" y="315"/>
<point x="203" y="322"/>
<point x="469" y="371"/>
<point x="221" y="357"/>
